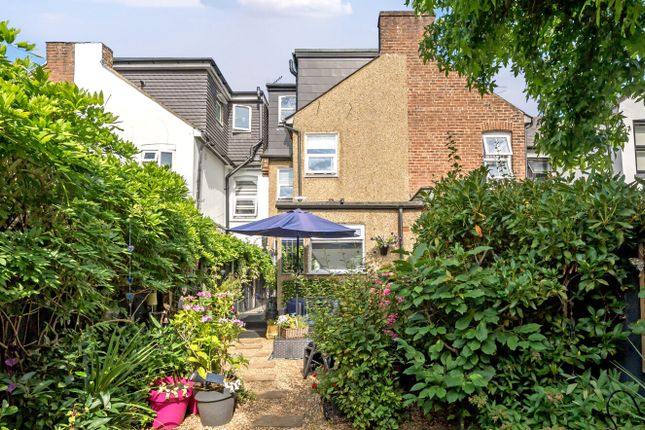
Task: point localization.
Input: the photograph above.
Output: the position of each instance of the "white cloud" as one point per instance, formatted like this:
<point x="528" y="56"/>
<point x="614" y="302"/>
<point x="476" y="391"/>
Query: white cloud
<point x="301" y="7"/>
<point x="157" y="3"/>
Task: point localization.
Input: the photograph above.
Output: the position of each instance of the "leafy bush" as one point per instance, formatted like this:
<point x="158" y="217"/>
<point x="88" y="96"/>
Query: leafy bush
<point x="72" y="201"/>
<point x="315" y="287"/>
<point x="363" y="381"/>
<point x="514" y="286"/>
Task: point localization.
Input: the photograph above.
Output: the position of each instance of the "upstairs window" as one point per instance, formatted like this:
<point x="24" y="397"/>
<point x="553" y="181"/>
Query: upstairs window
<point x="285" y="184"/>
<point x="246" y="197"/>
<point x="321" y="154"/>
<point x="498" y="155"/>
<point x="219" y="112"/>
<point x="537" y="167"/>
<point x="338" y="255"/>
<point x="241" y="118"/>
<point x="639" y="144"/>
<point x="162" y="158"/>
<point x="286" y="107"/>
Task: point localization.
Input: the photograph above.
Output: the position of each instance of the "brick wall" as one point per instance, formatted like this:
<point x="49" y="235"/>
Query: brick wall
<point x="440" y="106"/>
<point x="60" y="61"/>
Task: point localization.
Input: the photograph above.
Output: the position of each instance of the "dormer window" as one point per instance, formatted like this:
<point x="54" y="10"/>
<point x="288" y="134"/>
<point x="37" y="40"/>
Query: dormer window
<point x="241" y="118"/>
<point x="286" y="107"/>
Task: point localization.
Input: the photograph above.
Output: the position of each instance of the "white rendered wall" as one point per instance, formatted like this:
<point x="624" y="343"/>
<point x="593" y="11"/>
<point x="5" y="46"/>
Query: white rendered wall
<point x="212" y="196"/>
<point x="632" y="111"/>
<point x="262" y="202"/>
<point x="145" y="123"/>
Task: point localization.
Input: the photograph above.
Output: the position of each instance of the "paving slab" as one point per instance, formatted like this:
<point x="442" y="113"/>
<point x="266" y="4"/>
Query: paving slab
<point x="282" y="421"/>
<point x="251" y="340"/>
<point x="272" y="395"/>
<point x="244" y="346"/>
<point x="259" y="377"/>
<point x="261" y="365"/>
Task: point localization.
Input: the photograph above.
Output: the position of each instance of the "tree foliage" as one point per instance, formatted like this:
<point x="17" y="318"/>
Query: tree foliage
<point x="71" y="202"/>
<point x="578" y="58"/>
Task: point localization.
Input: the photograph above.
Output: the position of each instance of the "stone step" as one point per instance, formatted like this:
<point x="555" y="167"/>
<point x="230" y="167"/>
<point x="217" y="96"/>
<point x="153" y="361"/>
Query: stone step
<point x="281" y="421"/>
<point x="261" y="364"/>
<point x="245" y="346"/>
<point x="255" y="353"/>
<point x="272" y="395"/>
<point x="259" y="377"/>
<point x="250" y="340"/>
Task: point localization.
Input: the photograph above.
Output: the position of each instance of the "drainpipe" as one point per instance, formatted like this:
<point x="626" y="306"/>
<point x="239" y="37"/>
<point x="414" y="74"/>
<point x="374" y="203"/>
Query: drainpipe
<point x="198" y="185"/>
<point x="295" y="130"/>
<point x="252" y="153"/>
<point x="400" y="230"/>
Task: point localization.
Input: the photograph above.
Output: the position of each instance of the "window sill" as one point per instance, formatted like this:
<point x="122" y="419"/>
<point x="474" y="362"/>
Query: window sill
<point x="321" y="175"/>
<point x="335" y="272"/>
<point x="239" y="130"/>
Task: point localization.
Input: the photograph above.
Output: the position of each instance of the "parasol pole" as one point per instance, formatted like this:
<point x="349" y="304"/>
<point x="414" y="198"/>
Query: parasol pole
<point x="297" y="273"/>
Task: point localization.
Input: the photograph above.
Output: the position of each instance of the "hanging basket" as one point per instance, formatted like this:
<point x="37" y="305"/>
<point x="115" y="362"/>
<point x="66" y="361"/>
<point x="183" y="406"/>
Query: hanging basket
<point x="294" y="333"/>
<point x="384" y="250"/>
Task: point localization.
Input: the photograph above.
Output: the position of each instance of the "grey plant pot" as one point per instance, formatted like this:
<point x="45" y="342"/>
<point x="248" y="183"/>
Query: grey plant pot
<point x="215" y="408"/>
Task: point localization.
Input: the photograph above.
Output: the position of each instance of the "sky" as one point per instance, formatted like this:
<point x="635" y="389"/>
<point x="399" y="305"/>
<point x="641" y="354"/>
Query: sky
<point x="250" y="40"/>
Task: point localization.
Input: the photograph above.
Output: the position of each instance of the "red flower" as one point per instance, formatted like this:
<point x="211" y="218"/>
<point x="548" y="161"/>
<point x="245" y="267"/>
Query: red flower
<point x="314" y="385"/>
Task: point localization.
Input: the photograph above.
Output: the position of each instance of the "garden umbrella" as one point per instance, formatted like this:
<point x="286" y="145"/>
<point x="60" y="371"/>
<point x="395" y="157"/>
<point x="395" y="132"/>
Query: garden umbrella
<point x="296" y="223"/>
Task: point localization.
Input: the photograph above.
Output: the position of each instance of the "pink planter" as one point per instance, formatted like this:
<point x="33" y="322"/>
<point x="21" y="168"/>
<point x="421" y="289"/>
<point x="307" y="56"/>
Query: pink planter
<point x="170" y="409"/>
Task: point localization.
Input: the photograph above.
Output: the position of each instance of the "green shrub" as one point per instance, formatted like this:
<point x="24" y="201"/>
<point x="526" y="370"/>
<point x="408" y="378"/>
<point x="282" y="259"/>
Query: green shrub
<point x="514" y="286"/>
<point x="315" y="287"/>
<point x="356" y="333"/>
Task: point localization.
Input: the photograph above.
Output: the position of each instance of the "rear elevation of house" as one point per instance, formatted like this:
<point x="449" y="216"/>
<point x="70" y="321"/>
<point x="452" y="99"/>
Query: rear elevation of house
<point x="181" y="113"/>
<point x="363" y="133"/>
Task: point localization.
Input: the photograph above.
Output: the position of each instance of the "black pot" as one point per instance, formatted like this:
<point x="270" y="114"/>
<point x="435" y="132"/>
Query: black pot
<point x="384" y="250"/>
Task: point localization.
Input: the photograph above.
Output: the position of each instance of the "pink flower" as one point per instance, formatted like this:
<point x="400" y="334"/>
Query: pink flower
<point x="189" y="298"/>
<point x="11" y="362"/>
<point x="391" y="319"/>
<point x="206" y="318"/>
<point x="186" y="307"/>
<point x="399" y="299"/>
<point x="378" y="282"/>
<point x="199" y="308"/>
<point x="390" y="333"/>
<point x="11" y="387"/>
<point x="232" y="308"/>
<point x="204" y="294"/>
<point x="386" y="292"/>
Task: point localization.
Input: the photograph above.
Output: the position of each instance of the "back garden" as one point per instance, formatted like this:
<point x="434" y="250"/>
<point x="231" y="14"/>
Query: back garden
<point x="510" y="313"/>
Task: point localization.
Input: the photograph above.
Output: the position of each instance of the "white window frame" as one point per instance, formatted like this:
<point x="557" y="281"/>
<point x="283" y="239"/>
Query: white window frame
<point x="637" y="147"/>
<point x="220" y="115"/>
<point x="279" y="185"/>
<point x="250" y="118"/>
<point x="360" y="237"/>
<point x="506" y="157"/>
<point x="333" y="172"/>
<point x="254" y="198"/>
<point x="157" y="159"/>
<point x="281" y="121"/>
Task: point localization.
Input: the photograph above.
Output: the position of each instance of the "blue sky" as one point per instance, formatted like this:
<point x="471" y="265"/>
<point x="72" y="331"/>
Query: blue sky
<point x="251" y="40"/>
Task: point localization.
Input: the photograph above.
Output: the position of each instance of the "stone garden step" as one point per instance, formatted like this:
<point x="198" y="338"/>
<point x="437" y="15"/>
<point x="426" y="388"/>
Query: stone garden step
<point x="272" y="395"/>
<point x="244" y="346"/>
<point x="255" y="353"/>
<point x="284" y="421"/>
<point x="259" y="377"/>
<point x="251" y="340"/>
<point x="253" y="364"/>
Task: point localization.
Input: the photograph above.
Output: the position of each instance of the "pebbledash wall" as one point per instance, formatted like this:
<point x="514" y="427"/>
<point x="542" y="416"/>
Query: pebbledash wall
<point x="440" y="106"/>
<point x="144" y="122"/>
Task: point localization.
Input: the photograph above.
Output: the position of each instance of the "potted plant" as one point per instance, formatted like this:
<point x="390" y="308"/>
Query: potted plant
<point x="272" y="329"/>
<point x="383" y="243"/>
<point x="209" y="327"/>
<point x="292" y="326"/>
<point x="169" y="398"/>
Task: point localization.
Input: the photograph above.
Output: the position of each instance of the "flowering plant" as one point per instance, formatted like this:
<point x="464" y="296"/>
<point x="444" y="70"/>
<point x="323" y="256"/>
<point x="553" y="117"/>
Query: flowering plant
<point x="207" y="324"/>
<point x="170" y="387"/>
<point x="386" y="241"/>
<point x="291" y="321"/>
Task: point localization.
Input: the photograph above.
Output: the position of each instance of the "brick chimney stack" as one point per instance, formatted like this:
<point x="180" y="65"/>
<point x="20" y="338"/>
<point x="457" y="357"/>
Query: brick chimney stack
<point x="60" y="61"/>
<point x="401" y="31"/>
<point x="61" y="57"/>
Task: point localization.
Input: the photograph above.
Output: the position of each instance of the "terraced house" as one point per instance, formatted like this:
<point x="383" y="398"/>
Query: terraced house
<point x="182" y="113"/>
<point x="363" y="133"/>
